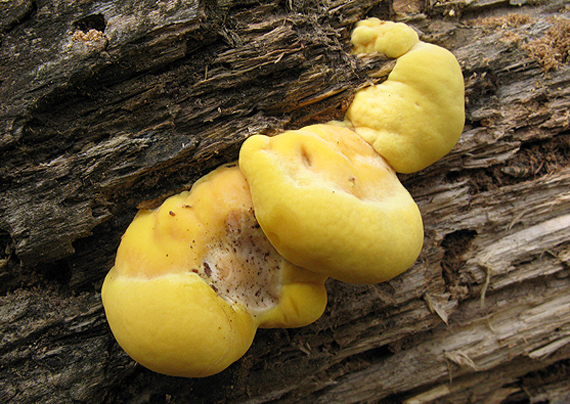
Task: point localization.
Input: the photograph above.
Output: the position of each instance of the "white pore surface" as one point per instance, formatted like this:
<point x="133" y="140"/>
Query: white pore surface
<point x="244" y="267"/>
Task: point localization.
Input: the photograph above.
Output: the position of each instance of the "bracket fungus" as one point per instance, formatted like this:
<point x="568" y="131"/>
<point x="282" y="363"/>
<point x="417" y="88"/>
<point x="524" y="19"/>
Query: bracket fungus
<point x="416" y="116"/>
<point x="329" y="203"/>
<point x="195" y="278"/>
<point x="252" y="245"/>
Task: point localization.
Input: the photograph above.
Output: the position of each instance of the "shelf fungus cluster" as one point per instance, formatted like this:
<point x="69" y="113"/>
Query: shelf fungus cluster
<point x="252" y="243"/>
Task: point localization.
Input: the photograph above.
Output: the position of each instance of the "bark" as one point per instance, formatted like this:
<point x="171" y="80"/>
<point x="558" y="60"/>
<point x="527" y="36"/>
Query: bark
<point x="107" y="106"/>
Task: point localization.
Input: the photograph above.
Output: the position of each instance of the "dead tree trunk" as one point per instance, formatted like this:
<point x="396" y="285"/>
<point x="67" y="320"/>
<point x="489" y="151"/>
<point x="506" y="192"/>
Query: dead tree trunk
<point x="110" y="105"/>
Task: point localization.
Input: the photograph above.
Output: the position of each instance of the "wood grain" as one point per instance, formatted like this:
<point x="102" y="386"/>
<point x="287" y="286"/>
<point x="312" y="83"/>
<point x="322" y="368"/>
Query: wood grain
<point x="101" y="115"/>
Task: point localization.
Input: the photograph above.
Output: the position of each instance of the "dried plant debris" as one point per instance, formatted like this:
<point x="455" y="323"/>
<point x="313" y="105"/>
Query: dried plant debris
<point x="512" y="20"/>
<point x="552" y="49"/>
<point x="509" y="24"/>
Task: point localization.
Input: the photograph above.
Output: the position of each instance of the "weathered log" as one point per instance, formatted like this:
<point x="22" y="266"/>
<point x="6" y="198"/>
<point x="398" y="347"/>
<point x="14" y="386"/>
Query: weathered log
<point x="106" y="106"/>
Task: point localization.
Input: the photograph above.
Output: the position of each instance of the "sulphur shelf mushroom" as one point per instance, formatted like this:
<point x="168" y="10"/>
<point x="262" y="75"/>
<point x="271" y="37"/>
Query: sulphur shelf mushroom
<point x="195" y="278"/>
<point x="252" y="245"/>
<point x="416" y="116"/>
<point x="329" y="203"/>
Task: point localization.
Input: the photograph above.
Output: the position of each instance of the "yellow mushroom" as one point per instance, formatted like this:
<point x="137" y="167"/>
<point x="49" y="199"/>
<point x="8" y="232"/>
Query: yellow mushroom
<point x="195" y="278"/>
<point x="416" y="116"/>
<point x="329" y="203"/>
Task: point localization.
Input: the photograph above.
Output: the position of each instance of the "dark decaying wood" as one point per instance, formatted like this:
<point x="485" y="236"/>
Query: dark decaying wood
<point x="108" y="105"/>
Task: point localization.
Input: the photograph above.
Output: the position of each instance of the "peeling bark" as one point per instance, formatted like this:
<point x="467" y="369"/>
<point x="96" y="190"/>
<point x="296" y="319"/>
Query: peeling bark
<point x="106" y="106"/>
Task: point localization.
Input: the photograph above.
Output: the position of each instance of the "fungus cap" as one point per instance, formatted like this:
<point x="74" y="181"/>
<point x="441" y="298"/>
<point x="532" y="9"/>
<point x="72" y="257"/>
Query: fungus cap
<point x="416" y="116"/>
<point x="392" y="39"/>
<point x="329" y="203"/>
<point x="194" y="279"/>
